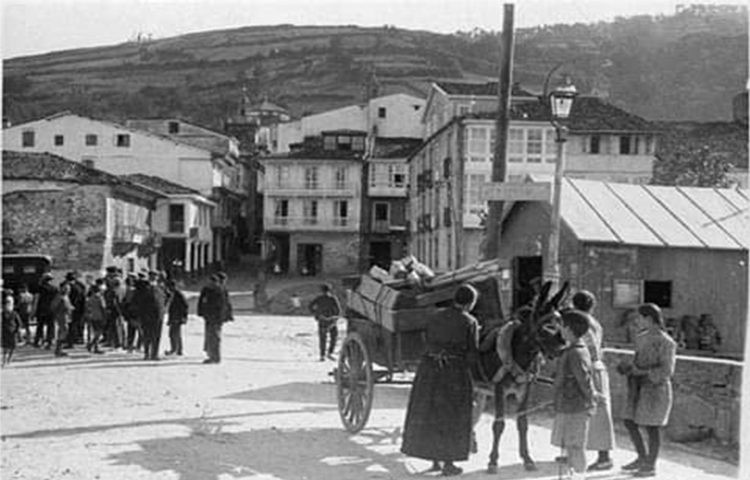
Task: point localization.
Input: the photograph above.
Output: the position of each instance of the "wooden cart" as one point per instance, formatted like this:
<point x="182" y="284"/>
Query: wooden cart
<point x="385" y="331"/>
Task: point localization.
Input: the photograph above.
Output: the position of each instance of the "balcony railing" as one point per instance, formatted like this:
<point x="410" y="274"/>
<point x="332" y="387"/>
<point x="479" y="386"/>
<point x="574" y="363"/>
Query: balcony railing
<point x="308" y="223"/>
<point x="348" y="189"/>
<point x="130" y="234"/>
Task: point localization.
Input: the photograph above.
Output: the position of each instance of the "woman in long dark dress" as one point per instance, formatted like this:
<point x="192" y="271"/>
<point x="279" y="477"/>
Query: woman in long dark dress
<point x="438" y="419"/>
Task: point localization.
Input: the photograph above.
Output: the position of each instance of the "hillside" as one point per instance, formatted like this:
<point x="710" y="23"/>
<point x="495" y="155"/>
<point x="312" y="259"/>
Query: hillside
<point x="686" y="66"/>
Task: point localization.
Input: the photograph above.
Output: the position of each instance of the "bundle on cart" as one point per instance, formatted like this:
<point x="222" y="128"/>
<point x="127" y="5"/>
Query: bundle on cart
<point x="402" y="299"/>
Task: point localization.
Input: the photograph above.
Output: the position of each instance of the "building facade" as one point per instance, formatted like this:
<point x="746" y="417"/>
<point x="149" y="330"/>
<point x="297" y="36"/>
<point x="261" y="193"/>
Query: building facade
<point x="312" y="205"/>
<point x="447" y="172"/>
<point x="210" y="167"/>
<point x="85" y="219"/>
<point x="182" y="219"/>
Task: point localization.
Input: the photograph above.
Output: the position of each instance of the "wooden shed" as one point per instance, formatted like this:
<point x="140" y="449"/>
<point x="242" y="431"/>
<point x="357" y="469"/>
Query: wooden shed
<point x="683" y="248"/>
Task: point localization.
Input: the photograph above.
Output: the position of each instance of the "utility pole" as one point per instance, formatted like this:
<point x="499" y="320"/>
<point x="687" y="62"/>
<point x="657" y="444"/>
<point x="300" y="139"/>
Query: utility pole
<point x="499" y="163"/>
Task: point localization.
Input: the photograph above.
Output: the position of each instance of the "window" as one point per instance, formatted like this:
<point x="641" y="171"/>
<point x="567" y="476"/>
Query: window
<point x="59" y="140"/>
<point x="282" y="176"/>
<point x="625" y="145"/>
<point x="381" y="112"/>
<point x="477" y="141"/>
<point x="122" y="140"/>
<point x="534" y="145"/>
<point x="340" y="213"/>
<point x="310" y="212"/>
<point x="92" y="140"/>
<point x="358" y="144"/>
<point x="340" y="178"/>
<point x="87" y="162"/>
<point x="397" y="176"/>
<point x="595" y="144"/>
<point x="281" y="212"/>
<point x="515" y="145"/>
<point x="311" y="178"/>
<point x="447" y="217"/>
<point x="463" y="110"/>
<point x="174" y="127"/>
<point x="381" y="212"/>
<point x="177" y="218"/>
<point x="344" y="142"/>
<point x="550" y="146"/>
<point x="474" y="191"/>
<point x="329" y="142"/>
<point x="658" y="292"/>
<point x="27" y="138"/>
<point x="627" y="293"/>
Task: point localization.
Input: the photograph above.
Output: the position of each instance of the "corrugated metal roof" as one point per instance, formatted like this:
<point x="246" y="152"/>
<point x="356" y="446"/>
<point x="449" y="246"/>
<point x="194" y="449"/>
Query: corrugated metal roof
<point x="656" y="216"/>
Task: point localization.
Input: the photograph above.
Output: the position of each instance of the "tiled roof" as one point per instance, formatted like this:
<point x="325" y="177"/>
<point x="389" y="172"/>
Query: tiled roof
<point x="316" y="154"/>
<point x="478" y="89"/>
<point x="657" y="216"/>
<point x="344" y="131"/>
<point x="46" y="166"/>
<point x="160" y="185"/>
<point x="395" y="147"/>
<point x="589" y="114"/>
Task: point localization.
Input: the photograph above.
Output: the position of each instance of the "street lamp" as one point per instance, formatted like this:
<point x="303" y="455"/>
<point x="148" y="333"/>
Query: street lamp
<point x="560" y="102"/>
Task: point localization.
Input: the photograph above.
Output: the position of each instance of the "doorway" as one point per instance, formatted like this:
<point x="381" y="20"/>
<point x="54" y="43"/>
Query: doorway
<point x="309" y="258"/>
<point x="380" y="254"/>
<point x="527" y="277"/>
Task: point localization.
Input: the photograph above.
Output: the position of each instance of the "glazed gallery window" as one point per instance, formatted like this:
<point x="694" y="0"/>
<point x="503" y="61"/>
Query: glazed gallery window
<point x="473" y="192"/>
<point x="515" y="145"/>
<point x="282" y="176"/>
<point x="534" y="144"/>
<point x="478" y="141"/>
<point x="176" y="218"/>
<point x="311" y="178"/>
<point x="281" y="212"/>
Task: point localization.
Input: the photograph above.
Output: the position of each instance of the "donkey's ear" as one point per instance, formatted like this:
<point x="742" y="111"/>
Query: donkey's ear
<point x="561" y="294"/>
<point x="541" y="300"/>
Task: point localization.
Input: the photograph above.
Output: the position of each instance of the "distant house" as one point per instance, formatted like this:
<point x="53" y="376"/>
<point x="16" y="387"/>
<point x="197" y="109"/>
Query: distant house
<point x="446" y="173"/>
<point x="183" y="221"/>
<point x="86" y="219"/>
<point x="312" y="205"/>
<point x="390" y="116"/>
<point x="683" y="248"/>
<point x="206" y="165"/>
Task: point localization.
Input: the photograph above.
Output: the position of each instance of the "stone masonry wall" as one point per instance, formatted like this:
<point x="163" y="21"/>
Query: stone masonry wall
<point x="68" y="225"/>
<point x="706" y="396"/>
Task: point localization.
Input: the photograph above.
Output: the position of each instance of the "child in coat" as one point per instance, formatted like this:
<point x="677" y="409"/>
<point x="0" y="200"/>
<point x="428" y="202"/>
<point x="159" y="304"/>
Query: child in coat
<point x="574" y="395"/>
<point x="10" y="325"/>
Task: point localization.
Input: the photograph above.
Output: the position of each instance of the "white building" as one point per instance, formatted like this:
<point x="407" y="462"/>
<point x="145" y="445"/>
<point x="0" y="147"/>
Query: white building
<point x="390" y="116"/>
<point x="120" y="150"/>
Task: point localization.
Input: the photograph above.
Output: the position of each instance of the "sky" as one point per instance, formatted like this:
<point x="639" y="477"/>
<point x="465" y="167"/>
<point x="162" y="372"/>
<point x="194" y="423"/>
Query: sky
<point x="39" y="26"/>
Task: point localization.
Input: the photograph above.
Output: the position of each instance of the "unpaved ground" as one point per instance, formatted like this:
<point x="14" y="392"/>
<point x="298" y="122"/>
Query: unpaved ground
<point x="268" y="411"/>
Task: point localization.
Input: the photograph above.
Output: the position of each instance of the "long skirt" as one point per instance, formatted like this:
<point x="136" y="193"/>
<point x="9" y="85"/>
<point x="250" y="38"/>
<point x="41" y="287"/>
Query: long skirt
<point x="438" y="418"/>
<point x="601" y="435"/>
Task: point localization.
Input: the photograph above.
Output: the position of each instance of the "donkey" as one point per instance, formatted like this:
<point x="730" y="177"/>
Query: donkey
<point x="510" y="354"/>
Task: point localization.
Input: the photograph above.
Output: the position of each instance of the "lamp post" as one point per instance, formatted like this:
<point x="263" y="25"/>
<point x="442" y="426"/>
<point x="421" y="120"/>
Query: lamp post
<point x="560" y="102"/>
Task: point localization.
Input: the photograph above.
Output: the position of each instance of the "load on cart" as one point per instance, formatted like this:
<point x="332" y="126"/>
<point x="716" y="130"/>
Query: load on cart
<point x="386" y="315"/>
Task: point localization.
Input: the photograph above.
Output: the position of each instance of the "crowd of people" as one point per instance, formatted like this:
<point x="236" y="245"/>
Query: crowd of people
<point x="438" y="420"/>
<point x="115" y="312"/>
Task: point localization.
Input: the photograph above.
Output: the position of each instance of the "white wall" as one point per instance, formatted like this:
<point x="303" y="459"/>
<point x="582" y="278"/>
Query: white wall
<point x="147" y="154"/>
<point x="403" y="115"/>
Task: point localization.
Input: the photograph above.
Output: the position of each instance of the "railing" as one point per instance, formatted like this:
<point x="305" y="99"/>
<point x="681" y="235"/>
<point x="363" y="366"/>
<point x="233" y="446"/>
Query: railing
<point x="308" y="223"/>
<point x="348" y="189"/>
<point x="130" y="234"/>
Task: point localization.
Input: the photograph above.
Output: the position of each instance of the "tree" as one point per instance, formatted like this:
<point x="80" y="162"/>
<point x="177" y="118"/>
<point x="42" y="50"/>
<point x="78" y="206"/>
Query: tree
<point x="694" y="167"/>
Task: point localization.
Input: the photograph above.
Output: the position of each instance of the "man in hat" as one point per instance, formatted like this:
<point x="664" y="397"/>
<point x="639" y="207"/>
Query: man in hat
<point x="44" y="315"/>
<point x="214" y="307"/>
<point x="77" y="298"/>
<point x="326" y="310"/>
<point x="148" y="305"/>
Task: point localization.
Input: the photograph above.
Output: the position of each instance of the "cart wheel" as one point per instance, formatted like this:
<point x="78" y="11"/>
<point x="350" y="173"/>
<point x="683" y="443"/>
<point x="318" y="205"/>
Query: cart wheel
<point x="354" y="383"/>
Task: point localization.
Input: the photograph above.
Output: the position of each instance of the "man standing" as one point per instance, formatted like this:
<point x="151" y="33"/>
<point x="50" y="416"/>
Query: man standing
<point x="78" y="300"/>
<point x="148" y="303"/>
<point x="44" y="314"/>
<point x="326" y="309"/>
<point x="214" y="307"/>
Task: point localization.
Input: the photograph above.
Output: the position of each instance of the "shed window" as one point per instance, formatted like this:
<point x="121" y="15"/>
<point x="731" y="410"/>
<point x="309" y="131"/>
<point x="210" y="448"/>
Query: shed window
<point x="658" y="292"/>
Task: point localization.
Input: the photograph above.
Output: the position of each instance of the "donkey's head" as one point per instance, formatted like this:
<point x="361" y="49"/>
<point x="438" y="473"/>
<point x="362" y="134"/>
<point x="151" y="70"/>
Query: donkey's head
<point x="545" y="323"/>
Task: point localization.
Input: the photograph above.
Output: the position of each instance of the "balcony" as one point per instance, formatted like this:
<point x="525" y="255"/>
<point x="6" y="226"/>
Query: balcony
<point x="348" y="189"/>
<point x="386" y="190"/>
<point x="310" y="224"/>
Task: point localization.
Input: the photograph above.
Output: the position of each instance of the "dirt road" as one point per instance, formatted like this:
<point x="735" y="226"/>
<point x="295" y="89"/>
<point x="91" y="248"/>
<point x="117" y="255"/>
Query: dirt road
<point x="268" y="411"/>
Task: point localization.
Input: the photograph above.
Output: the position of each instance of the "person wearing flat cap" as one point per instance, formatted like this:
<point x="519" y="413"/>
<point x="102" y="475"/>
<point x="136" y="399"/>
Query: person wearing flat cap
<point x="44" y="315"/>
<point x="214" y="307"/>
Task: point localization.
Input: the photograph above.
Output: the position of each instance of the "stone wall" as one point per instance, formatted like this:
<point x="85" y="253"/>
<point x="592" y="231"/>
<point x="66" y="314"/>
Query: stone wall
<point x="68" y="225"/>
<point x="706" y="396"/>
<point x="340" y="251"/>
